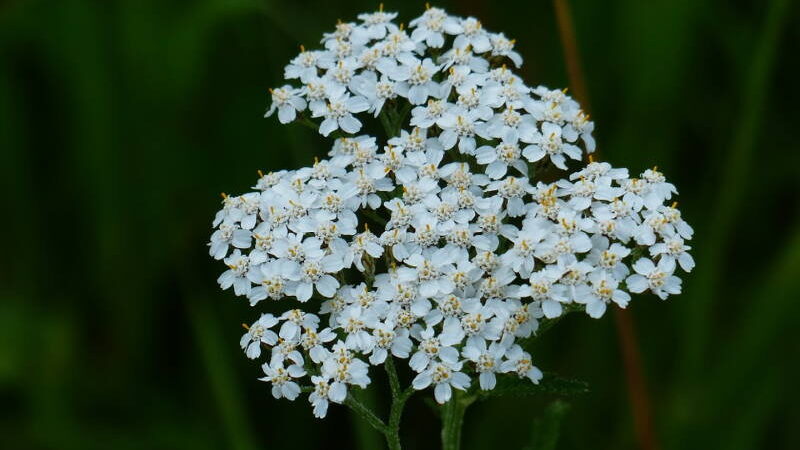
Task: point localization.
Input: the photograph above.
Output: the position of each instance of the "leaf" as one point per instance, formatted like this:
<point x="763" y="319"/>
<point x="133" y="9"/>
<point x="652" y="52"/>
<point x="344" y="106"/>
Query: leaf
<point x="434" y="407"/>
<point x="547" y="427"/>
<point x="550" y="384"/>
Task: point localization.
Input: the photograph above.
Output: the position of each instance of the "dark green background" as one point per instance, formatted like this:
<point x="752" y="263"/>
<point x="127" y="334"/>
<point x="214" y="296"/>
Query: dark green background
<point x="122" y="121"/>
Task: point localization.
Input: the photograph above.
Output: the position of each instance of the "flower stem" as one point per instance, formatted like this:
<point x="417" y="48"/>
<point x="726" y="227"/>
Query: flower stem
<point x="399" y="398"/>
<point x="365" y="413"/>
<point x="388" y="127"/>
<point x="306" y="122"/>
<point x="453" y="419"/>
<point x="394" y="380"/>
<point x="390" y="429"/>
<point x="392" y="119"/>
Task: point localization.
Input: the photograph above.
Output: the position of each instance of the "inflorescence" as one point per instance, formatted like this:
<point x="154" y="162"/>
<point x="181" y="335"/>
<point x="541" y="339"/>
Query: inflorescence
<point x="443" y="243"/>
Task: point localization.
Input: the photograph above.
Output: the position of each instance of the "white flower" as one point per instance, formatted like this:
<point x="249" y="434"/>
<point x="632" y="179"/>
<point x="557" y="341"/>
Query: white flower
<point x="462" y="76"/>
<point x="519" y="362"/>
<point x="287" y="101"/>
<point x="257" y="334"/>
<point x="430" y="268"/>
<point x="281" y="378"/>
<point x="462" y="57"/>
<point x="294" y="321"/>
<point x="607" y="256"/>
<point x="543" y="288"/>
<point x="375" y="91"/>
<point x="368" y="182"/>
<point x="510" y="120"/>
<point x="236" y="275"/>
<point x="270" y="281"/>
<point x="500" y="157"/>
<point x="444" y="376"/>
<point x="512" y="189"/>
<point x="313" y="342"/>
<point x="659" y="190"/>
<point x="415" y="79"/>
<point x="228" y="235"/>
<point x="518" y="320"/>
<point x="432" y="346"/>
<point x="386" y="339"/>
<point x="468" y="247"/>
<point x="487" y="361"/>
<point x="498" y="284"/>
<point x="363" y="244"/>
<point x="314" y="273"/>
<point x="674" y="247"/>
<point x="355" y="321"/>
<point x="429" y="115"/>
<point x="477" y="323"/>
<point x="473" y="35"/>
<point x="464" y="274"/>
<point x="662" y="222"/>
<point x="345" y="369"/>
<point x="294" y="247"/>
<point x="604" y="289"/>
<point x="549" y="142"/>
<point x="306" y="64"/>
<point x="378" y="23"/>
<point x="520" y="258"/>
<point x="502" y="46"/>
<point x="431" y="26"/>
<point x="323" y="392"/>
<point x="657" y="278"/>
<point x="338" y="112"/>
<point x="459" y="126"/>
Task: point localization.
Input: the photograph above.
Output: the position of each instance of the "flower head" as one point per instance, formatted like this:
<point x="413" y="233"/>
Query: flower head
<point x="439" y="243"/>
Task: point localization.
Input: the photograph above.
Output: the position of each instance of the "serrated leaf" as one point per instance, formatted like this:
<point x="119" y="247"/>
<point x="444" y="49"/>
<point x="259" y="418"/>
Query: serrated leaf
<point x="547" y="427"/>
<point x="550" y="384"/>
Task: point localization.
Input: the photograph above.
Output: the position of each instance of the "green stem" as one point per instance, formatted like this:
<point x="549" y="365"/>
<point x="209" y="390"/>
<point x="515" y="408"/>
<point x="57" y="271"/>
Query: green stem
<point x="308" y="123"/>
<point x="394" y="380"/>
<point x="453" y="419"/>
<point x="398" y="402"/>
<point x="390" y="430"/>
<point x="378" y="219"/>
<point x="392" y="119"/>
<point x="388" y="126"/>
<point x="365" y="413"/>
<point x="399" y="398"/>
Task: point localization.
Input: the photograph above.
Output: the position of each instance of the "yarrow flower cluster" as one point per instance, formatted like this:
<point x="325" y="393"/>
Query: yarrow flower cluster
<point x="442" y="244"/>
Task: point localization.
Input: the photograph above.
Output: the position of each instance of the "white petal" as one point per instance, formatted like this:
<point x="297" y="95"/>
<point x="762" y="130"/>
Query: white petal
<point x="533" y="153"/>
<point x="487" y="381"/>
<point x="327" y="126"/>
<point x="636" y="283"/>
<point x="442" y="392"/>
<point x="303" y="291"/>
<point x="327" y="285"/>
<point x="596" y="309"/>
<point x="421" y="381"/>
<point x="349" y="124"/>
<point x="551" y="308"/>
<point x="338" y="392"/>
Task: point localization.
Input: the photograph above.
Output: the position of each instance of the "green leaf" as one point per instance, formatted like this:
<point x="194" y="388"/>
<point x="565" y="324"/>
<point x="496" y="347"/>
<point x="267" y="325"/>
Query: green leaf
<point x="550" y="384"/>
<point x="434" y="407"/>
<point x="547" y="427"/>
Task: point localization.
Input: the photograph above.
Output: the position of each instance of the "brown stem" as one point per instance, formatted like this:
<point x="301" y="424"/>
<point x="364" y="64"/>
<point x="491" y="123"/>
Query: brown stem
<point x="637" y="389"/>
<point x="571" y="55"/>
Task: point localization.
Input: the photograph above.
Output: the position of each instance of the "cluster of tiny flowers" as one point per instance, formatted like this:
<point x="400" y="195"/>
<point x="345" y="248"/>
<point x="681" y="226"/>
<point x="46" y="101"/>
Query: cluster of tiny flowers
<point x="437" y="246"/>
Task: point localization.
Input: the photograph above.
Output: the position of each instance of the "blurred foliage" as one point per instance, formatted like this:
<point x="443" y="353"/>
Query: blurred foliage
<point x="122" y="121"/>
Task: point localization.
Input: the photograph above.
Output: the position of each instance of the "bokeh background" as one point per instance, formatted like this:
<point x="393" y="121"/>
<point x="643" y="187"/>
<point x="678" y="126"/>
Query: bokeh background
<point x="122" y="121"/>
